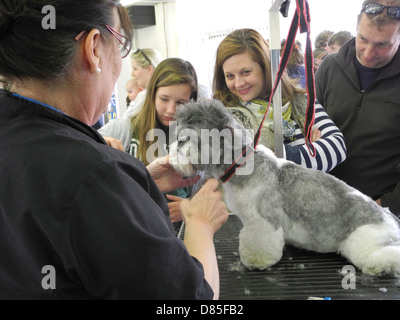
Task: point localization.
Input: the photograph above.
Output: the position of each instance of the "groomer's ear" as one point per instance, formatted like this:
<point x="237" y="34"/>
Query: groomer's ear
<point x="93" y="49"/>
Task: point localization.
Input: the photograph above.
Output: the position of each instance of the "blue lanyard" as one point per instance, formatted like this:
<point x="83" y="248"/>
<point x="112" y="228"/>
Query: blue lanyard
<point x="38" y="102"/>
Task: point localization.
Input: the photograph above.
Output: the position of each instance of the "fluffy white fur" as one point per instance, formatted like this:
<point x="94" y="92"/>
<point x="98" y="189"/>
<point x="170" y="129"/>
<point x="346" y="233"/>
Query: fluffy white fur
<point x="280" y="202"/>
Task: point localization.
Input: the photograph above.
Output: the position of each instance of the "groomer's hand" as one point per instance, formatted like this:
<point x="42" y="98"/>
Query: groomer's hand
<point x="165" y="176"/>
<point x="206" y="207"/>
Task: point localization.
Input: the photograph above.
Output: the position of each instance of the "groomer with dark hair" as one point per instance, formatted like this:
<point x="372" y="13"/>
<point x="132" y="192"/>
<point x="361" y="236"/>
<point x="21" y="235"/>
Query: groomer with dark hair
<point x="79" y="219"/>
<point x="360" y="89"/>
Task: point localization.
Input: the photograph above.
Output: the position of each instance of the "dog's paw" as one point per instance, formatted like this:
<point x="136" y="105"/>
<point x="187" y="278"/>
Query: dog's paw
<point x="260" y="245"/>
<point x="255" y="260"/>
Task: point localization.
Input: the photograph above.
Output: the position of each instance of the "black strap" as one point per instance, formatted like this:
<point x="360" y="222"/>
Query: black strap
<point x="300" y="20"/>
<point x="303" y="7"/>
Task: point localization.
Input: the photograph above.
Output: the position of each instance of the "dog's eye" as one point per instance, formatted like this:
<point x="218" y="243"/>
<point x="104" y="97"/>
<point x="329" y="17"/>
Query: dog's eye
<point x="183" y="140"/>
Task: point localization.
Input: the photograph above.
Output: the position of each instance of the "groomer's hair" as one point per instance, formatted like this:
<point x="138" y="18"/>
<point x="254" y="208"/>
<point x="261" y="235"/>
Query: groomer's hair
<point x="27" y="50"/>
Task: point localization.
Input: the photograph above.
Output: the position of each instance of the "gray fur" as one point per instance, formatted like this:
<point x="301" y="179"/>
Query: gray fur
<point x="281" y="202"/>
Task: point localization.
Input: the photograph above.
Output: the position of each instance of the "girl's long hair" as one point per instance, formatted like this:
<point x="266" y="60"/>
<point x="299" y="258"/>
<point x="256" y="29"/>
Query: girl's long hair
<point x="169" y="72"/>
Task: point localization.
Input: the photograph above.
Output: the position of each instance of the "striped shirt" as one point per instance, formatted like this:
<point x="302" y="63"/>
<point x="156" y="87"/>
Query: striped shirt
<point x="330" y="149"/>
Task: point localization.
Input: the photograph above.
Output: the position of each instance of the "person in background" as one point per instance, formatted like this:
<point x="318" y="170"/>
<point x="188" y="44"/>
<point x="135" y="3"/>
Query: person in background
<point x="338" y="40"/>
<point x="321" y="41"/>
<point x="173" y="83"/>
<point x="321" y="47"/>
<point x="295" y="66"/>
<point x="242" y="82"/>
<point x="144" y="62"/>
<point x="321" y="54"/>
<point x="359" y="87"/>
<point x="81" y="220"/>
<point x="132" y="89"/>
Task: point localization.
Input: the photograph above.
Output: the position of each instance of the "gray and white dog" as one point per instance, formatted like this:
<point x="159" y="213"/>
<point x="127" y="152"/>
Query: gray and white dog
<point x="281" y="202"/>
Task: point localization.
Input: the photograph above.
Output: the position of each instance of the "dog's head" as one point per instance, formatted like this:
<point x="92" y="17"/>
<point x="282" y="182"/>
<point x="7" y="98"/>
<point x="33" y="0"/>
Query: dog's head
<point x="207" y="138"/>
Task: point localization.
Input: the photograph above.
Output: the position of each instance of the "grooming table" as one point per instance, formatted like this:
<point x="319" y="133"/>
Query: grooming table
<point x="299" y="275"/>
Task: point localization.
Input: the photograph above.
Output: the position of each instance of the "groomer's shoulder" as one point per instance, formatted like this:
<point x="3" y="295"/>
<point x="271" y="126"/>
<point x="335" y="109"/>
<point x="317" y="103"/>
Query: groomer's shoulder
<point x="119" y="174"/>
<point x="104" y="155"/>
<point x="84" y="155"/>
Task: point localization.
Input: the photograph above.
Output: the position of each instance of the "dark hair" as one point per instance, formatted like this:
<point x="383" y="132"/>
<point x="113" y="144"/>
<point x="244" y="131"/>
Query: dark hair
<point x="27" y="50"/>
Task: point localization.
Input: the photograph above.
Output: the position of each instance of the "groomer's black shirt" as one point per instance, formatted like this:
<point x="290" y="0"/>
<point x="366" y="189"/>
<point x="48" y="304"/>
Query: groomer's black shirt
<point x="80" y="220"/>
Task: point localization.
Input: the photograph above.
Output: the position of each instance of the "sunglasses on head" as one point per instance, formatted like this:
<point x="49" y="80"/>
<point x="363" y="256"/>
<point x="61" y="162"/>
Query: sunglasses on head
<point x="376" y="8"/>
<point x="144" y="55"/>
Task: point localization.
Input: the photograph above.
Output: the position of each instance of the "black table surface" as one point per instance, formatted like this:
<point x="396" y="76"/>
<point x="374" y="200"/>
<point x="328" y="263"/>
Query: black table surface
<point x="300" y="275"/>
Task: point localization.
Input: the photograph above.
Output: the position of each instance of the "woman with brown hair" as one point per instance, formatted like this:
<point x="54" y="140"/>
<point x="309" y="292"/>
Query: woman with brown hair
<point x="242" y="81"/>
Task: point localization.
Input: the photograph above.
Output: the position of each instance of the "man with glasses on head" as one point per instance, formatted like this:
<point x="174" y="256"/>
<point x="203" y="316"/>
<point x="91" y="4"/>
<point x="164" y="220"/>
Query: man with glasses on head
<point x="360" y="89"/>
